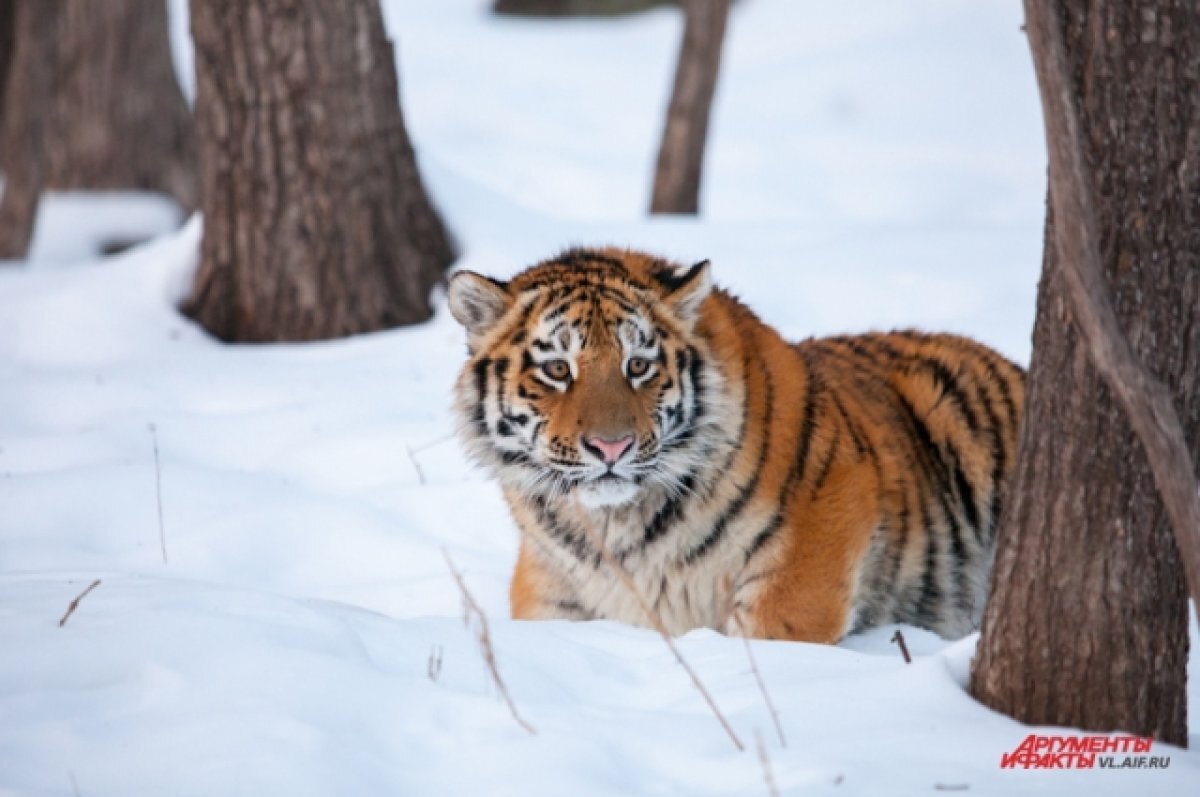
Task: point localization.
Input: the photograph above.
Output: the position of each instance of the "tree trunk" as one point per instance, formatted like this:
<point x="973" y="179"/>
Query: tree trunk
<point x="681" y="155"/>
<point x="23" y="125"/>
<point x="316" y="224"/>
<point x="118" y="119"/>
<point x="90" y="101"/>
<point x="8" y="22"/>
<point x="1087" y="621"/>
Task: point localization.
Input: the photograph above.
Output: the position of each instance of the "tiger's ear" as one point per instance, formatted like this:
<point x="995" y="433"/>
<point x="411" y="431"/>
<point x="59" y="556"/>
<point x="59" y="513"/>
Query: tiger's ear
<point x="477" y="302"/>
<point x="686" y="288"/>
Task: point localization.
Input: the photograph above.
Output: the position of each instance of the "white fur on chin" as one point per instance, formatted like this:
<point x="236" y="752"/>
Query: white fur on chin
<point x="605" y="494"/>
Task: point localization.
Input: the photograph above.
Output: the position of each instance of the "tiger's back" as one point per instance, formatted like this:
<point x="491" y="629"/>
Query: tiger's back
<point x="776" y="490"/>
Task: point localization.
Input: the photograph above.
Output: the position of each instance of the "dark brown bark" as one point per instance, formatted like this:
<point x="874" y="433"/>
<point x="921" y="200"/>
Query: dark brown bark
<point x="90" y="102"/>
<point x="8" y="22"/>
<point x="316" y="224"/>
<point x="681" y="154"/>
<point x="576" y="8"/>
<point x="23" y="124"/>
<point x="1146" y="402"/>
<point x="1087" y="621"/>
<point x="118" y="119"/>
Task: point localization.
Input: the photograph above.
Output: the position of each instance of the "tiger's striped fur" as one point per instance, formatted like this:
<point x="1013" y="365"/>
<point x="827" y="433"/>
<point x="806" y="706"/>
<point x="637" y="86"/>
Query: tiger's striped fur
<point x="789" y="491"/>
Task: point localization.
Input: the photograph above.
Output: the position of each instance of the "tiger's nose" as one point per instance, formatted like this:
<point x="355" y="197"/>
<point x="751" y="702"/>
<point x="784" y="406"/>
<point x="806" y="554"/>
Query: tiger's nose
<point x="608" y="451"/>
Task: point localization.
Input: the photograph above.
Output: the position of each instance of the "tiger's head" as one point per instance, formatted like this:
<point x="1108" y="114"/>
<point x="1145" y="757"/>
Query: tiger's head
<point x="587" y="377"/>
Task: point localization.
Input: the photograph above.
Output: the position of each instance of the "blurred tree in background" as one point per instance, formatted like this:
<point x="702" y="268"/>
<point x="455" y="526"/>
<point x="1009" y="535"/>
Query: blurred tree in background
<point x="90" y="102"/>
<point x="1087" y="621"/>
<point x="681" y="154"/>
<point x="316" y="223"/>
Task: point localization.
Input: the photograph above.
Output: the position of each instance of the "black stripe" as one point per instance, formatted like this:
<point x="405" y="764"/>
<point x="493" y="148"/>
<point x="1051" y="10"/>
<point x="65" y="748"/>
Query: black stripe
<point x="480" y="369"/>
<point x="936" y="468"/>
<point x="827" y="462"/>
<point x="901" y="547"/>
<point x="931" y="597"/>
<point x="942" y="377"/>
<point x="738" y="504"/>
<point x="860" y="445"/>
<point x="796" y="471"/>
<point x="562" y="533"/>
<point x="577" y="256"/>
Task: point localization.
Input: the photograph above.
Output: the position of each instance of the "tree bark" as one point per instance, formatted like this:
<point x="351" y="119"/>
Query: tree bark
<point x="31" y="75"/>
<point x="90" y="102"/>
<point x="118" y="119"/>
<point x="681" y="154"/>
<point x="8" y="21"/>
<point x="1145" y="400"/>
<point x="1087" y="621"/>
<point x="316" y="224"/>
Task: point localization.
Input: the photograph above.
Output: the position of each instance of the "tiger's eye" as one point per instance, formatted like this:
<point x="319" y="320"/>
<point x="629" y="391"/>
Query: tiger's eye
<point x="557" y="369"/>
<point x="637" y="366"/>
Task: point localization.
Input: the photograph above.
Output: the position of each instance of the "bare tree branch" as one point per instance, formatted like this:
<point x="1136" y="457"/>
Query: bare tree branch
<point x="1145" y="400"/>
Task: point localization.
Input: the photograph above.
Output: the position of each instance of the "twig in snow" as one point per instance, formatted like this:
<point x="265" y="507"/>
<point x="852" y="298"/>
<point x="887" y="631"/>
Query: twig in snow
<point x="414" y="450"/>
<point x="434" y="667"/>
<point x="772" y="789"/>
<point x="659" y="626"/>
<point x="951" y="786"/>
<point x="762" y="686"/>
<point x="485" y="642"/>
<point x="162" y="534"/>
<point x="898" y="638"/>
<point x="74" y="784"/>
<point x="412" y="457"/>
<point x="75" y="603"/>
<point x="728" y="614"/>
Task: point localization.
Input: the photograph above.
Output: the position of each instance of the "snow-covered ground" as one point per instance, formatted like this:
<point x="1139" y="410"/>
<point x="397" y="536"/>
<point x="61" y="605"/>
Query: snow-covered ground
<point x="268" y="522"/>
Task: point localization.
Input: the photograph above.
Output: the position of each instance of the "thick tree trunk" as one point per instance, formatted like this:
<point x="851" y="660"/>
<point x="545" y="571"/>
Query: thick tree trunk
<point x="31" y="75"/>
<point x="118" y="119"/>
<point x="1087" y="621"/>
<point x="681" y="155"/>
<point x="8" y="22"/>
<point x="90" y="102"/>
<point x="316" y="224"/>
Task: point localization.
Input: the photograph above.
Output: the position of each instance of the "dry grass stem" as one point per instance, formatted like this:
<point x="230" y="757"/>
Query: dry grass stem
<point x="762" y="685"/>
<point x="772" y="788"/>
<point x="75" y="603"/>
<point x="726" y="614"/>
<point x="162" y="534"/>
<point x="657" y="621"/>
<point x="412" y="457"/>
<point x="485" y="642"/>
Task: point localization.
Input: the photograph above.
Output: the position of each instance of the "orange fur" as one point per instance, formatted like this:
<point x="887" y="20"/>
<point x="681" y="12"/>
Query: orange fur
<point x="835" y="483"/>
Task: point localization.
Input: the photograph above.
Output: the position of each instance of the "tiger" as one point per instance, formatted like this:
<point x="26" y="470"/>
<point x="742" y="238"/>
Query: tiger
<point x="671" y="462"/>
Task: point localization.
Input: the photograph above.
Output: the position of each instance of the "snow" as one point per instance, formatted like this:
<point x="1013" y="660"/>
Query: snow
<point x="871" y="164"/>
